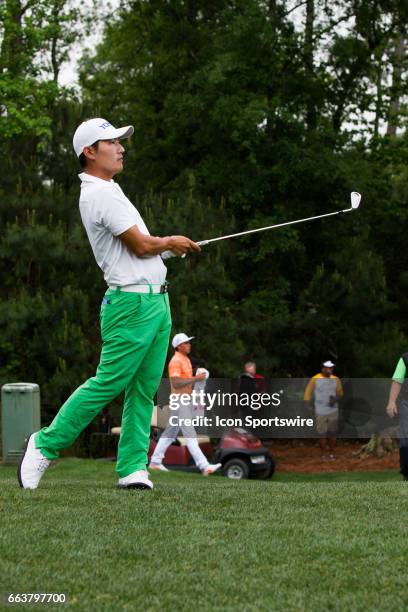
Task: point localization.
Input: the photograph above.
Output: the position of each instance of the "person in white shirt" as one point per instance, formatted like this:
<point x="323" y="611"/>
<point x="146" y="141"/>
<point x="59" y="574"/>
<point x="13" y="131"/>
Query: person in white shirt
<point x="135" y="314"/>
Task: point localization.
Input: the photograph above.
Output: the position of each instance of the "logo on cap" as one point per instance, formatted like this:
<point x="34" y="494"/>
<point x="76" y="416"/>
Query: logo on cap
<point x="105" y="125"/>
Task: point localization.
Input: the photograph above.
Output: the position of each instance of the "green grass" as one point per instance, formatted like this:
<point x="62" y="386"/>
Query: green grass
<point x="296" y="543"/>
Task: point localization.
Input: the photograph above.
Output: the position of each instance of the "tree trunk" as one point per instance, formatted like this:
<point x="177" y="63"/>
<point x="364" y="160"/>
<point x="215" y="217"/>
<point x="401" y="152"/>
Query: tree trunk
<point x="393" y="115"/>
<point x="309" y="62"/>
<point x="54" y="42"/>
<point x="378" y="102"/>
<point x="378" y="446"/>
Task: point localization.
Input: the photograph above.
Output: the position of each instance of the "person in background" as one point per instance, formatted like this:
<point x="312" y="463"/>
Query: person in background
<point x="399" y="391"/>
<point x="260" y="381"/>
<point x="182" y="383"/>
<point x="250" y="380"/>
<point x="324" y="390"/>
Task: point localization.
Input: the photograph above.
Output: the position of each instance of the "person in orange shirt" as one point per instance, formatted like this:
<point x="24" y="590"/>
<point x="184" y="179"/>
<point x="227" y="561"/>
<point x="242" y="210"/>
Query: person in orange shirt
<point x="182" y="383"/>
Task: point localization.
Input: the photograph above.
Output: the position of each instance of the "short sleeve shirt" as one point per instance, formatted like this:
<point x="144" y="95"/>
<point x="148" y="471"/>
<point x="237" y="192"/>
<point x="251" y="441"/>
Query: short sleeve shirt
<point x="323" y="388"/>
<point x="400" y="372"/>
<point x="106" y="213"/>
<point x="180" y="367"/>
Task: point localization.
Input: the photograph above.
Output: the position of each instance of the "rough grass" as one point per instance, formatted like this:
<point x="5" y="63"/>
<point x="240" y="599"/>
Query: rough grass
<point x="297" y="542"/>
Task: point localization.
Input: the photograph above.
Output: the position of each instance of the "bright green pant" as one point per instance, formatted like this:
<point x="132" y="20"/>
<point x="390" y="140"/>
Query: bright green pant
<point x="135" y="333"/>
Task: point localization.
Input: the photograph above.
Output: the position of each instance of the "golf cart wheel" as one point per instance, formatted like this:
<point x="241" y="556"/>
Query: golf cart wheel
<point x="236" y="469"/>
<point x="269" y="471"/>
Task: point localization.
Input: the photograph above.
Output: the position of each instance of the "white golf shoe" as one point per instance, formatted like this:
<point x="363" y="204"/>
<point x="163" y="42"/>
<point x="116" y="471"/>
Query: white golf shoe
<point x="211" y="468"/>
<point x="158" y="467"/>
<point x="136" y="480"/>
<point x="32" y="465"/>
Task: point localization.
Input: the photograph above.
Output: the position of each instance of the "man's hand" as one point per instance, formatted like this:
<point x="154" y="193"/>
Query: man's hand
<point x="200" y="376"/>
<point x="180" y="245"/>
<point x="392" y="409"/>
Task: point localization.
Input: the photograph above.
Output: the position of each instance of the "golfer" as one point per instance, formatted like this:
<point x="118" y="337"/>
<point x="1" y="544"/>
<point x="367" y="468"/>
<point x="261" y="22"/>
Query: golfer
<point x="327" y="390"/>
<point x="181" y="382"/>
<point x="135" y="314"/>
<point x="399" y="391"/>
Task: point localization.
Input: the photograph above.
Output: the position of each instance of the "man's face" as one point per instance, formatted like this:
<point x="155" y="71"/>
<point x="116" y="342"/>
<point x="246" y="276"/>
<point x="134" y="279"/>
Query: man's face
<point x="327" y="371"/>
<point x="250" y="368"/>
<point x="184" y="348"/>
<point x="108" y="157"/>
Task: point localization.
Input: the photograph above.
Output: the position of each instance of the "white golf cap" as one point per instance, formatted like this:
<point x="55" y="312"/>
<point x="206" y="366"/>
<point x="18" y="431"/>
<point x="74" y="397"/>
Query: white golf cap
<point x="179" y="339"/>
<point x="97" y="129"/>
<point x="328" y="364"/>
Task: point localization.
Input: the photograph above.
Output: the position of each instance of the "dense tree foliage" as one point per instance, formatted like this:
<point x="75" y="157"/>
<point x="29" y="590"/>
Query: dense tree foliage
<point x="246" y="113"/>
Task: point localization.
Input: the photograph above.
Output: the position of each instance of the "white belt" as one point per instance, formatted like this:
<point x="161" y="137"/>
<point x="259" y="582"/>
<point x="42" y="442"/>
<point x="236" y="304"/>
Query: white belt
<point x="142" y="288"/>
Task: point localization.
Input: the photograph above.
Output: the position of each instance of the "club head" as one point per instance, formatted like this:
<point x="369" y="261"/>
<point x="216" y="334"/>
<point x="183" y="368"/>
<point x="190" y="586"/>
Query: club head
<point x="355" y="199"/>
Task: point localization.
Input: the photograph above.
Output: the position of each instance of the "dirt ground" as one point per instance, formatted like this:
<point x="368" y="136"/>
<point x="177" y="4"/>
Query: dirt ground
<point x="306" y="457"/>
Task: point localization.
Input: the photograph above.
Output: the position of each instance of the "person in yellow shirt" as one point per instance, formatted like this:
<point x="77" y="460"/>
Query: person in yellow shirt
<point x="325" y="390"/>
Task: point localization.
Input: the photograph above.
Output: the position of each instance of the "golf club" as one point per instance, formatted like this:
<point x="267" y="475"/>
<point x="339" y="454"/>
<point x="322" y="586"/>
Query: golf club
<point x="355" y="203"/>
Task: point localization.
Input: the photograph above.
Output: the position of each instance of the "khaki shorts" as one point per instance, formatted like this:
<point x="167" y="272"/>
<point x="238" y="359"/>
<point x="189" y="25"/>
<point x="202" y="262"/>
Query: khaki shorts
<point x="327" y="423"/>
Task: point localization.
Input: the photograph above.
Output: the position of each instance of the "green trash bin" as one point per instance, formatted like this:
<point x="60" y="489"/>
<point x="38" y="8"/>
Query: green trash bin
<point x="20" y="416"/>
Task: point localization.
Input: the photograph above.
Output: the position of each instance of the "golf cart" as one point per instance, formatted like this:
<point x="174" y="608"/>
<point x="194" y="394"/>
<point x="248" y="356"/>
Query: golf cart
<point x="242" y="454"/>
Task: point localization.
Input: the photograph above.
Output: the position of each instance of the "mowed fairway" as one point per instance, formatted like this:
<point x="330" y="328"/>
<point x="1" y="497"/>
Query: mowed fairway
<point x="293" y="543"/>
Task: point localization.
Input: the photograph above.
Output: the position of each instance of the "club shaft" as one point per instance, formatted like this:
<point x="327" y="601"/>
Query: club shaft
<point x="270" y="227"/>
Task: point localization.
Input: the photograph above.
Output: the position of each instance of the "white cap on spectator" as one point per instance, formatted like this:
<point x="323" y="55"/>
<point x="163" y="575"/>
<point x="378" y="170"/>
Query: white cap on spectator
<point x="97" y="129"/>
<point x="180" y="339"/>
<point x="328" y="364"/>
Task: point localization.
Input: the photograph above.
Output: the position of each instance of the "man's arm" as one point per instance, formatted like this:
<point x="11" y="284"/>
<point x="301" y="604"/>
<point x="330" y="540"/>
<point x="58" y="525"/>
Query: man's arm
<point x="178" y="382"/>
<point x="397" y="382"/>
<point x="143" y="245"/>
<point x="308" y="394"/>
<point x="339" y="388"/>
<point x="392" y="409"/>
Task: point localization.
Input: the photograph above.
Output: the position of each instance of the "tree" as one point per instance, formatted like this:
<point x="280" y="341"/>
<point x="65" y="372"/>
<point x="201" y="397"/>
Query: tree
<point x="235" y="101"/>
<point x="246" y="114"/>
<point x="43" y="312"/>
<point x="35" y="40"/>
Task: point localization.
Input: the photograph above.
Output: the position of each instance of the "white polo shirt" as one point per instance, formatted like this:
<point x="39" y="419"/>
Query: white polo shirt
<point x="106" y="212"/>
